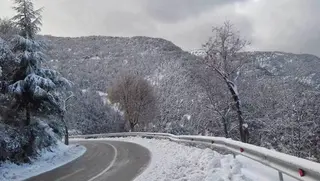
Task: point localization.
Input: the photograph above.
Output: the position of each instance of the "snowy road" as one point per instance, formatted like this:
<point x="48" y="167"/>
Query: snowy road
<point x="103" y="160"/>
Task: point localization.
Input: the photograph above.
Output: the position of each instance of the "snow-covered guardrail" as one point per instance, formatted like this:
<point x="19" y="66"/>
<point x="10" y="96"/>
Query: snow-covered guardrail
<point x="295" y="167"/>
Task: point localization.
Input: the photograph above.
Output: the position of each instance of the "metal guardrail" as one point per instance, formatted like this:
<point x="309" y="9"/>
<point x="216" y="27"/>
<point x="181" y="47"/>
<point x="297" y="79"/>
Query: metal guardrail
<point x="298" y="168"/>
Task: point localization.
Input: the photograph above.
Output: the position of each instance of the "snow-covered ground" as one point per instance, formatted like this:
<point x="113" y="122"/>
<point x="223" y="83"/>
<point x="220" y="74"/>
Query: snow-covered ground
<point x="47" y="160"/>
<point x="176" y="162"/>
<point x="260" y="172"/>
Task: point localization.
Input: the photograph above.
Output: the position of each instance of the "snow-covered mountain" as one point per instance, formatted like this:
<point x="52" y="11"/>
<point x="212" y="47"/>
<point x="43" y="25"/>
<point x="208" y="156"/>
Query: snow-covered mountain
<point x="271" y="86"/>
<point x="303" y="68"/>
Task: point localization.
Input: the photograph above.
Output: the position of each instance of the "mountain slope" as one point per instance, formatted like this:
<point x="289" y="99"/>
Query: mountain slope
<point x="276" y="89"/>
<point x="93" y="63"/>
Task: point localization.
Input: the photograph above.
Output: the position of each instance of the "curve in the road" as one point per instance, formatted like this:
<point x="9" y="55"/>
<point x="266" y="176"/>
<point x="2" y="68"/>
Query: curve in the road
<point x="108" y="168"/>
<point x="103" y="161"/>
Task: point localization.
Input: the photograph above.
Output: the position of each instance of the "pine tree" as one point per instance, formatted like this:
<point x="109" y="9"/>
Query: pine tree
<point x="35" y="88"/>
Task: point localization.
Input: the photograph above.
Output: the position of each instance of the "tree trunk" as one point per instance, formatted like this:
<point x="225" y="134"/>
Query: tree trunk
<point x="132" y="127"/>
<point x="244" y="135"/>
<point x="29" y="148"/>
<point x="235" y="96"/>
<point x="3" y="87"/>
<point x="225" y="127"/>
<point x="66" y="135"/>
<point x="28" y="116"/>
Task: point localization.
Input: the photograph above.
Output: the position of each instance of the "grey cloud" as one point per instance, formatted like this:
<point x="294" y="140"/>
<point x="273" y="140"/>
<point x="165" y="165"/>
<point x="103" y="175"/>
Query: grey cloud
<point x="198" y="32"/>
<point x="177" y="10"/>
<point x="292" y="26"/>
<point x="115" y="18"/>
<point x="284" y="25"/>
<point x="128" y="24"/>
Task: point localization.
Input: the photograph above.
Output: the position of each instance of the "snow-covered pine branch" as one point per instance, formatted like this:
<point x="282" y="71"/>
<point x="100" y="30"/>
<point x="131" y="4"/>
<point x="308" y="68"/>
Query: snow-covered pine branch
<point x="55" y="77"/>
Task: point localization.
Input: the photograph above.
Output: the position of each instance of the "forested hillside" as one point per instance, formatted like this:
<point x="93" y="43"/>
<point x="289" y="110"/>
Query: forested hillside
<point x="279" y="92"/>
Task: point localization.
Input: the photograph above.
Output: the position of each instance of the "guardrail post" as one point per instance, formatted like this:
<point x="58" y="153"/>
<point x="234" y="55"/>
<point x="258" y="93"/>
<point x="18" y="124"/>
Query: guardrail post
<point x="280" y="176"/>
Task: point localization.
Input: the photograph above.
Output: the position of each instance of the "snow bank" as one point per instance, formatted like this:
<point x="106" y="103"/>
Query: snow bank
<point x="260" y="172"/>
<point x="175" y="162"/>
<point x="48" y="160"/>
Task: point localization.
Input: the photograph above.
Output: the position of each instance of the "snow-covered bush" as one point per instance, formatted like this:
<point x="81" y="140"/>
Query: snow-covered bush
<point x="11" y="144"/>
<point x="57" y="128"/>
<point x="14" y="142"/>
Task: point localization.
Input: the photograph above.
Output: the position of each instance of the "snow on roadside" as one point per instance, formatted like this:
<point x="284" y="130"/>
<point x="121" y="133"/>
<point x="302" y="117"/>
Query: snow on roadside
<point x="175" y="162"/>
<point x="260" y="172"/>
<point x="60" y="155"/>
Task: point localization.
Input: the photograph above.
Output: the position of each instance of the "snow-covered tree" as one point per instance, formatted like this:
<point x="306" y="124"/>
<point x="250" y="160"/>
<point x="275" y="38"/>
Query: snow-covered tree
<point x="297" y="130"/>
<point x="7" y="29"/>
<point x="92" y="114"/>
<point x="222" y="57"/>
<point x="35" y="88"/>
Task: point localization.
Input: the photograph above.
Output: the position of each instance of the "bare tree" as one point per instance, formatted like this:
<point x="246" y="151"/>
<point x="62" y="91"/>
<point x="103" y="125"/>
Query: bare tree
<point x="218" y="101"/>
<point x="222" y="57"/>
<point x="135" y="97"/>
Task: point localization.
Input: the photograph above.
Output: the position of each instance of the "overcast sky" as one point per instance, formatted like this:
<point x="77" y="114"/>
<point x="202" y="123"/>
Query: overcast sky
<point x="284" y="25"/>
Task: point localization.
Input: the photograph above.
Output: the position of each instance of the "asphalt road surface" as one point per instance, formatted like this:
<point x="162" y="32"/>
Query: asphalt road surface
<point x="103" y="161"/>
